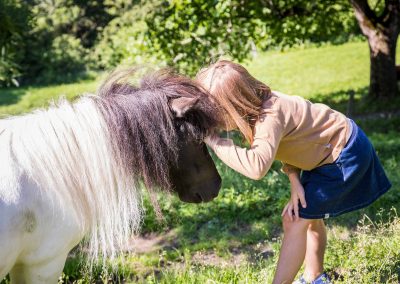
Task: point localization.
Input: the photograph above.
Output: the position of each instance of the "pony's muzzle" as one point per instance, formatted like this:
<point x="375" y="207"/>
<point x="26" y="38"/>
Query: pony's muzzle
<point x="203" y="193"/>
<point x="211" y="191"/>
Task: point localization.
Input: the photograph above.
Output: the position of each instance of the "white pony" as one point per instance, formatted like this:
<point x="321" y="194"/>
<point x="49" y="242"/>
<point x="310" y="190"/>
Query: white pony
<point x="75" y="170"/>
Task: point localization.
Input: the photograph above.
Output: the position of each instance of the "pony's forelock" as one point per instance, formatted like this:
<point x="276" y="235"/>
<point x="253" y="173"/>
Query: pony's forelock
<point x="143" y="126"/>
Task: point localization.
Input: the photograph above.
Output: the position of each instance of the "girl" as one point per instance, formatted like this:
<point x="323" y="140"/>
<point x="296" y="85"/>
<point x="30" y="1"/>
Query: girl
<point x="339" y="169"/>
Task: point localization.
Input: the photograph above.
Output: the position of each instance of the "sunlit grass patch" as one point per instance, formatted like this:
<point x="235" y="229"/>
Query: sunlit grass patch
<point x="21" y="100"/>
<point x="317" y="70"/>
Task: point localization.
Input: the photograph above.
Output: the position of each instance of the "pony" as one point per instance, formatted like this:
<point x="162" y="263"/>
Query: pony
<point x="75" y="171"/>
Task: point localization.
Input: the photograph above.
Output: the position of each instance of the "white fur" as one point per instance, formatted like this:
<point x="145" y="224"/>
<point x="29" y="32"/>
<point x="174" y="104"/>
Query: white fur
<point x="59" y="181"/>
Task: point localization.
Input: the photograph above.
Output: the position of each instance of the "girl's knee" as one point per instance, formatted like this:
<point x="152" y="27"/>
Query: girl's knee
<point x="300" y="224"/>
<point x="317" y="225"/>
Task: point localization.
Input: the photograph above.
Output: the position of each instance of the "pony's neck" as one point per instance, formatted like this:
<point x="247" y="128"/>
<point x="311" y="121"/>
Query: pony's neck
<point x="68" y="151"/>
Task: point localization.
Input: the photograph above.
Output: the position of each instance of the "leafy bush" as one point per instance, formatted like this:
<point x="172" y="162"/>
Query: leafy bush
<point x="66" y="57"/>
<point x="9" y="68"/>
<point x="56" y="53"/>
<point x="47" y="41"/>
<point x="122" y="40"/>
<point x="14" y="23"/>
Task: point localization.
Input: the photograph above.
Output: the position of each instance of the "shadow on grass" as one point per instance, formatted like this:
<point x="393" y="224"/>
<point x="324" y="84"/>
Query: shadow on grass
<point x="53" y="79"/>
<point x="11" y="96"/>
<point x="361" y="104"/>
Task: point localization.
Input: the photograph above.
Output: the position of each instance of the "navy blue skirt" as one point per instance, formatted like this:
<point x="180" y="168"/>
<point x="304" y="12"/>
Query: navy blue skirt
<point x="353" y="181"/>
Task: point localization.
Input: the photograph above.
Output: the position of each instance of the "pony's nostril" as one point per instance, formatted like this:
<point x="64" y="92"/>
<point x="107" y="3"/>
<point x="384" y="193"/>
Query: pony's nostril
<point x="218" y="182"/>
<point x="214" y="194"/>
<point x="199" y="196"/>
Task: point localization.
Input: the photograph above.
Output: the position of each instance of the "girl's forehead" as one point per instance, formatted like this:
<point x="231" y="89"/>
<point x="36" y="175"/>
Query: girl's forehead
<point x="205" y="77"/>
<point x="216" y="78"/>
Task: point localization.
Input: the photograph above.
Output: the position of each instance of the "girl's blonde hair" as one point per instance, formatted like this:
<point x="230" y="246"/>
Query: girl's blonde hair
<point x="238" y="94"/>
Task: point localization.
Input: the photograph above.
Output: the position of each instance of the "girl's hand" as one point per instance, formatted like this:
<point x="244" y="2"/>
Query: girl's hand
<point x="297" y="196"/>
<point x="208" y="139"/>
<point x="211" y="139"/>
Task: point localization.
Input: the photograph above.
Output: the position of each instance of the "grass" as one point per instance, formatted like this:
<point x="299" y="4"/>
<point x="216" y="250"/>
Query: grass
<point x="236" y="238"/>
<point x="324" y="73"/>
<point x="21" y="100"/>
<point x="314" y="71"/>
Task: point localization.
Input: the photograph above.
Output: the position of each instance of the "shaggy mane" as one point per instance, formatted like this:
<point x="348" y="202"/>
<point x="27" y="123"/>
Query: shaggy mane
<point x="94" y="154"/>
<point x="141" y="123"/>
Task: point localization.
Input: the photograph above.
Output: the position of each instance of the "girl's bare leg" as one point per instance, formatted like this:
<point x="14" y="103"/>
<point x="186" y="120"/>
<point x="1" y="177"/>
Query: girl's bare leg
<point x="293" y="249"/>
<point x="316" y="244"/>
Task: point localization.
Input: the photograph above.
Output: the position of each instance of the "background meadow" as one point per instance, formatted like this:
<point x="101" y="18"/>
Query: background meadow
<point x="235" y="238"/>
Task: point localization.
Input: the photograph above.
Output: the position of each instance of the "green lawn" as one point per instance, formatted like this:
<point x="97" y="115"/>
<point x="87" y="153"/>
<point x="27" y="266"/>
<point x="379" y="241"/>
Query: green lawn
<point x="21" y="100"/>
<point x="324" y="73"/>
<point x="315" y="71"/>
<point x="235" y="239"/>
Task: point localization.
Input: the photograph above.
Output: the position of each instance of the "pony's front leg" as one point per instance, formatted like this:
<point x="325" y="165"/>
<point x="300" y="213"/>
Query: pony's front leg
<point x="48" y="272"/>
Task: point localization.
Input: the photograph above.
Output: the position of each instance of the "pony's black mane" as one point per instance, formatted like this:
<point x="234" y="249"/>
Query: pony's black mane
<point x="145" y="133"/>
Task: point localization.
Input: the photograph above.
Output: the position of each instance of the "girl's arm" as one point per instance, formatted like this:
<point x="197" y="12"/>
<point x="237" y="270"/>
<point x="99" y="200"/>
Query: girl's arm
<point x="297" y="195"/>
<point x="253" y="162"/>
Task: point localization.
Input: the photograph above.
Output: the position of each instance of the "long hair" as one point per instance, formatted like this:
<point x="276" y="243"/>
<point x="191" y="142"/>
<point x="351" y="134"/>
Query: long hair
<point x="238" y="94"/>
<point x="142" y="124"/>
<point x="94" y="155"/>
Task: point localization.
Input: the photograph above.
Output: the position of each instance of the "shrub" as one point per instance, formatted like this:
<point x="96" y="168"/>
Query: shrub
<point x="64" y="61"/>
<point x="9" y="68"/>
<point x="14" y="22"/>
<point x="122" y="40"/>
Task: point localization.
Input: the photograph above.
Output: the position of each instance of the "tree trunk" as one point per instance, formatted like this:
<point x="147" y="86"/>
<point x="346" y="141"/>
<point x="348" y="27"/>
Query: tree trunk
<point x="382" y="32"/>
<point x="383" y="75"/>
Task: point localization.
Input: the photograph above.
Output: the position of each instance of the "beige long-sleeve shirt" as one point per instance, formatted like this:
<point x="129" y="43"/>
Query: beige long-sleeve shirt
<point x="299" y="133"/>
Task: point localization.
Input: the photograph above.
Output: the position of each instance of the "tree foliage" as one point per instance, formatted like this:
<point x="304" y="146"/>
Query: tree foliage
<point x="14" y="23"/>
<point x="189" y="32"/>
<point x="68" y="36"/>
<point x="39" y="40"/>
<point x="122" y="40"/>
<point x="63" y="33"/>
<point x="187" y="35"/>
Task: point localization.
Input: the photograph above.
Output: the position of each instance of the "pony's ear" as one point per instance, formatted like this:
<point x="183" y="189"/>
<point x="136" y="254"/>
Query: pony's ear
<point x="182" y="105"/>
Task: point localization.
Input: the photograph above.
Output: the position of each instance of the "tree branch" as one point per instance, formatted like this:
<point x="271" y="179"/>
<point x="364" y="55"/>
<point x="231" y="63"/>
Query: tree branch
<point x="364" y="8"/>
<point x="366" y="18"/>
<point x="391" y="12"/>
